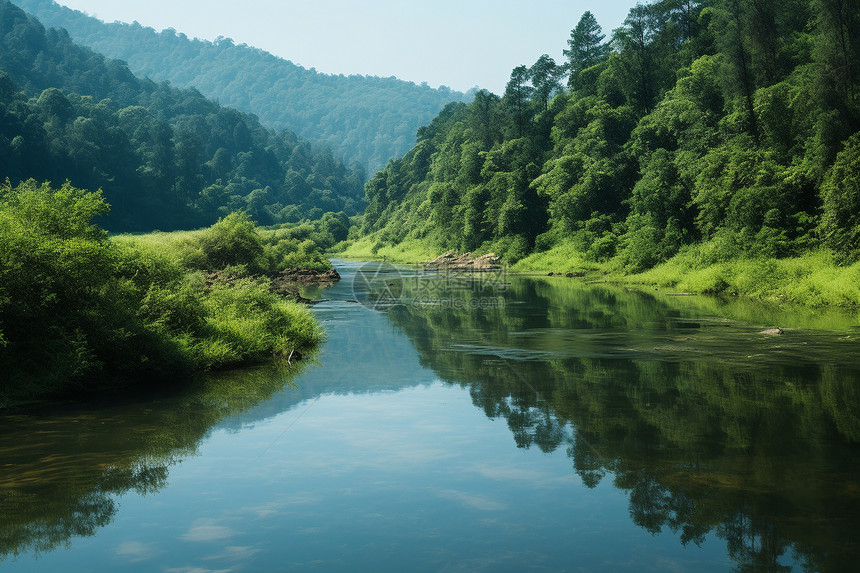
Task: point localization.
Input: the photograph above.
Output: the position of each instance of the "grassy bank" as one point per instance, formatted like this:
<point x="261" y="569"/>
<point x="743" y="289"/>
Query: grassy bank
<point x="812" y="279"/>
<point x="368" y="248"/>
<point x="233" y="242"/>
<point x="84" y="313"/>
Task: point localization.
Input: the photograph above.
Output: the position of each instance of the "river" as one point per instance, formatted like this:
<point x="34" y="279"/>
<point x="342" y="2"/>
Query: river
<point x="453" y="423"/>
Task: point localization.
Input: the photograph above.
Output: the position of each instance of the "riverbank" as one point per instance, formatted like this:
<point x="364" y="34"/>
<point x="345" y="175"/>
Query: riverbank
<point x="601" y="395"/>
<point x="83" y="314"/>
<point x="813" y="279"/>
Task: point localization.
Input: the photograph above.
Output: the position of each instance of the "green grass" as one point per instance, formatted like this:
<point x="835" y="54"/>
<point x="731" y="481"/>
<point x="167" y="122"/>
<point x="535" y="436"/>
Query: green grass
<point x="246" y="323"/>
<point x="367" y="248"/>
<point x="232" y="323"/>
<point x="562" y="258"/>
<point x="172" y="243"/>
<point x="812" y="279"/>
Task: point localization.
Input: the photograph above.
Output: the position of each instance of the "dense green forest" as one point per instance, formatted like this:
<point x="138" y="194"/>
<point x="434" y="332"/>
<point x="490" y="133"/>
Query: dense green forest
<point x="366" y="120"/>
<point x="717" y="128"/>
<point x="165" y="158"/>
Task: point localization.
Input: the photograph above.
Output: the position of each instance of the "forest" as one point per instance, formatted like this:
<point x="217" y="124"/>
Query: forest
<point x="706" y="132"/>
<point x="86" y="148"/>
<point x="365" y="120"/>
<point x="698" y="135"/>
<point x="711" y="130"/>
<point x="165" y="158"/>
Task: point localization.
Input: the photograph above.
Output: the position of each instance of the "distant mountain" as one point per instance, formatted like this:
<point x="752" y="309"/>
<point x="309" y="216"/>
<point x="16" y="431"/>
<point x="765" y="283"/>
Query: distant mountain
<point x="367" y="120"/>
<point x="165" y="158"/>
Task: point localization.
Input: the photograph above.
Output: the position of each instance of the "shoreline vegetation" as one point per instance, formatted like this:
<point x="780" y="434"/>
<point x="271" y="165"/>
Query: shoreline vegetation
<point x="706" y="146"/>
<point x="84" y="313"/>
<point x="813" y="279"/>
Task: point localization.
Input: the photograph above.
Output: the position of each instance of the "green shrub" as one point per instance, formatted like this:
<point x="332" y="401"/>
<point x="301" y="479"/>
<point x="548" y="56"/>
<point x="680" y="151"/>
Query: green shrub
<point x="233" y="240"/>
<point x="641" y="244"/>
<point x="293" y="253"/>
<point x="82" y="313"/>
<point x="546" y="241"/>
<point x="603" y="248"/>
<point x="246" y="322"/>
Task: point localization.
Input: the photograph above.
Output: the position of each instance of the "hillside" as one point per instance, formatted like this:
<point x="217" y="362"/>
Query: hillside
<point x="165" y="158"/>
<point x="365" y="120"/>
<point x="710" y="130"/>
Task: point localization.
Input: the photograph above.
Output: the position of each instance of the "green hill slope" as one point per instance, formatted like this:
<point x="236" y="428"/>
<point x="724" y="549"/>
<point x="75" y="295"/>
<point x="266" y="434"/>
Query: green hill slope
<point x="716" y="130"/>
<point x="166" y="158"/>
<point x="366" y="120"/>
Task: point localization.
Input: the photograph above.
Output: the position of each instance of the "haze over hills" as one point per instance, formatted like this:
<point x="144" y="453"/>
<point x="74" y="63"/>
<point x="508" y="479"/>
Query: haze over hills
<point x="165" y="158"/>
<point x="365" y="120"/>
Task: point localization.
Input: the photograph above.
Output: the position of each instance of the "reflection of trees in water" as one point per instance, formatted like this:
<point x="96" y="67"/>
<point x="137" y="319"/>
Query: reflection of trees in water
<point x="704" y="439"/>
<point x="41" y="519"/>
<point x="63" y="471"/>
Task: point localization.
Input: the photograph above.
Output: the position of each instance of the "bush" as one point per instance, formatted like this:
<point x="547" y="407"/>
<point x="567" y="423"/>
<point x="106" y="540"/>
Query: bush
<point x="511" y="248"/>
<point x="294" y="253"/>
<point x="546" y="241"/>
<point x="233" y="240"/>
<point x="603" y="248"/>
<point x="81" y="313"/>
<point x="246" y="322"/>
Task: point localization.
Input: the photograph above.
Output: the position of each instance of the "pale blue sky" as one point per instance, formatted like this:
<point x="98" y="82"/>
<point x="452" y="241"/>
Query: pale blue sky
<point x="458" y="43"/>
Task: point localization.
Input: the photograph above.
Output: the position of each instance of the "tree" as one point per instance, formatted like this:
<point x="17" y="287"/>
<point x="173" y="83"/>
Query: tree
<point x="839" y="44"/>
<point x="483" y="121"/>
<point x="518" y="94"/>
<point x="684" y="14"/>
<point x="734" y="44"/>
<point x="840" y="222"/>
<point x="586" y="47"/>
<point x="545" y="76"/>
<point x="634" y="43"/>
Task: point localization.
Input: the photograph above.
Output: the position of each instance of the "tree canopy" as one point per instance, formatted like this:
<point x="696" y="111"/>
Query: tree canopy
<point x="365" y="120"/>
<point x="725" y="121"/>
<point x="165" y="158"/>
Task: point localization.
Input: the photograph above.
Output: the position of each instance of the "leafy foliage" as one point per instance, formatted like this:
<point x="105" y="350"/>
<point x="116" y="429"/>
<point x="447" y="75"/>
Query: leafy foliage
<point x="840" y="222"/>
<point x="728" y="121"/>
<point x="80" y="312"/>
<point x="586" y="47"/>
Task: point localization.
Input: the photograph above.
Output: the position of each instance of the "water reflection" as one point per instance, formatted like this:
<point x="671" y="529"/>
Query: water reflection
<point x="707" y="424"/>
<point x="63" y="467"/>
<point x="709" y="430"/>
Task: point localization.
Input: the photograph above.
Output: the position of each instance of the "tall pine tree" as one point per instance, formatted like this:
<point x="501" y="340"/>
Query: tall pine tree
<point x="586" y="47"/>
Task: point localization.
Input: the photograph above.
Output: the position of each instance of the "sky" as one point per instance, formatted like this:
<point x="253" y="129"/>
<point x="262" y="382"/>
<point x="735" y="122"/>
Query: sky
<point x="457" y="43"/>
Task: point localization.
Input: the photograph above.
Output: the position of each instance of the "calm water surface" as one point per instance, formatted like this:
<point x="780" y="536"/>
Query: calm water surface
<point x="460" y="424"/>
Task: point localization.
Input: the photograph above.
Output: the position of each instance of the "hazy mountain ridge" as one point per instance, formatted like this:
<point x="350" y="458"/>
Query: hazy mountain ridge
<point x="364" y="119"/>
<point x="166" y="158"/>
